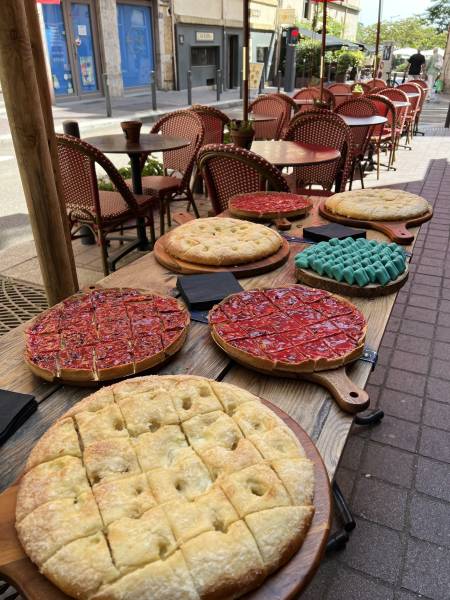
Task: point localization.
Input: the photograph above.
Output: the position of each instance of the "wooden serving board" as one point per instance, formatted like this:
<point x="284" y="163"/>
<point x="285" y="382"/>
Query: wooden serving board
<point x="397" y="231"/>
<point x="313" y="279"/>
<point x="252" y="269"/>
<point x="17" y="569"/>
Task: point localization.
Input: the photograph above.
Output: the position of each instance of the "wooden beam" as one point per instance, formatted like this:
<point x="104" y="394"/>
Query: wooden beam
<point x="22" y="96"/>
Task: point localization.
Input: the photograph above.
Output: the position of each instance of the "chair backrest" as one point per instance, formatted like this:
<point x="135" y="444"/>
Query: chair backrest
<point x="214" y="121"/>
<point x="313" y="93"/>
<point x="77" y="161"/>
<point x="415" y="104"/>
<point x="397" y="95"/>
<point x="327" y="129"/>
<point x="366" y="88"/>
<point x="229" y="170"/>
<point x="185" y="124"/>
<point x="384" y="108"/>
<point x="272" y="106"/>
<point x="423" y="84"/>
<point x="359" y="107"/>
<point x="342" y="88"/>
<point x="376" y="83"/>
<point x="290" y="108"/>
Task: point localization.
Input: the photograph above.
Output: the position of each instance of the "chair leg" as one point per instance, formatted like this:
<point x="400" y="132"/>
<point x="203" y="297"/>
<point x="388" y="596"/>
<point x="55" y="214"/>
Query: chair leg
<point x="352" y="172"/>
<point x="151" y="221"/>
<point x="169" y="219"/>
<point x="190" y="197"/>
<point x="102" y="243"/>
<point x="378" y="161"/>
<point x="161" y="217"/>
<point x="361" y="173"/>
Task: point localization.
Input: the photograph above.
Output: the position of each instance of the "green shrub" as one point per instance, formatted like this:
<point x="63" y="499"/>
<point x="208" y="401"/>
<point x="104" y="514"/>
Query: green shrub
<point x="347" y="59"/>
<point x="152" y="167"/>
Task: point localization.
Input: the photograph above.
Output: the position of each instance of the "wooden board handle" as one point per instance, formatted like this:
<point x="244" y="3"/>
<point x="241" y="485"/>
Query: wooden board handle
<point x="182" y="217"/>
<point x="282" y="224"/>
<point x="397" y="232"/>
<point x="349" y="396"/>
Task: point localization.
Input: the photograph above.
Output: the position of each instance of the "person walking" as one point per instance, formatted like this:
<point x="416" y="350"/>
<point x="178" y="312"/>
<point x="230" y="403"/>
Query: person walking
<point x="416" y="64"/>
<point x="433" y="70"/>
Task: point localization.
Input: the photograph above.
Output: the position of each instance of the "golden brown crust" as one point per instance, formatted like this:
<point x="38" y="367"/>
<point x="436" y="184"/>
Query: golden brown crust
<point x="156" y="484"/>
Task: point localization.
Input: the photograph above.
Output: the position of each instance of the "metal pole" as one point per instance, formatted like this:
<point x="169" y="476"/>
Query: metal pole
<point x="246" y="56"/>
<point x="324" y="44"/>
<point x="189" y="87"/>
<point x="447" y="120"/>
<point x="107" y="96"/>
<point x="71" y="128"/>
<point x="377" y="42"/>
<point x="279" y="80"/>
<point x="218" y="84"/>
<point x="153" y="86"/>
<point x="261" y="82"/>
<point x="241" y="93"/>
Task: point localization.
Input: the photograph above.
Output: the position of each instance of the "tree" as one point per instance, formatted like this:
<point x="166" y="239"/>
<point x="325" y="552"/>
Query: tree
<point x="411" y="32"/>
<point x="438" y="15"/>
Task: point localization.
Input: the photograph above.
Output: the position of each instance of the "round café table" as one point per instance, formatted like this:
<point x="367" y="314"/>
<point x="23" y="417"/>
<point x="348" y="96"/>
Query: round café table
<point x="400" y="103"/>
<point x="412" y="94"/>
<point x="237" y="114"/>
<point x="148" y="143"/>
<point x="364" y="121"/>
<point x="282" y="153"/>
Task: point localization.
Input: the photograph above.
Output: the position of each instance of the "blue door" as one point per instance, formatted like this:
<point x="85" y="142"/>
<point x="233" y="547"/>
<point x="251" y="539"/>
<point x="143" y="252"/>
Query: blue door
<point x="84" y="47"/>
<point x="136" y="44"/>
<point x="56" y="38"/>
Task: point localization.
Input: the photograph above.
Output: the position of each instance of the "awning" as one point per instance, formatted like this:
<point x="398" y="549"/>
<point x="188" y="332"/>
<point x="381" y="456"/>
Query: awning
<point x="332" y="42"/>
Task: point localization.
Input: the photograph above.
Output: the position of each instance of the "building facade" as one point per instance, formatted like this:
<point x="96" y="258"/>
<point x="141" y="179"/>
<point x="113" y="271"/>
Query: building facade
<point x="127" y="40"/>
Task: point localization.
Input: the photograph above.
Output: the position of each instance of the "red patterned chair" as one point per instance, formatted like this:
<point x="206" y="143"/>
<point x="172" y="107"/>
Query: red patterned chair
<point x="214" y="121"/>
<point x="101" y="211"/>
<point x="178" y="164"/>
<point x="340" y="88"/>
<point x="376" y="84"/>
<point x="228" y="170"/>
<point x="415" y="107"/>
<point x="324" y="128"/>
<point x="272" y="106"/>
<point x="397" y="95"/>
<point x="290" y="108"/>
<point x="383" y="136"/>
<point x="313" y="93"/>
<point x="358" y="107"/>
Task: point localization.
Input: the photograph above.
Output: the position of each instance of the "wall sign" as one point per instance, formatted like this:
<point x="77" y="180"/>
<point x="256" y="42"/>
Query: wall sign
<point x="204" y="36"/>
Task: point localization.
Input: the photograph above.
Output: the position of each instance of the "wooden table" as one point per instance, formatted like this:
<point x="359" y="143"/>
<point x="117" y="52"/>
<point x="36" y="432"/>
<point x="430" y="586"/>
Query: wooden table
<point x="364" y="121"/>
<point x="309" y="404"/>
<point x="237" y="114"/>
<point x="282" y="153"/>
<point x="148" y="143"/>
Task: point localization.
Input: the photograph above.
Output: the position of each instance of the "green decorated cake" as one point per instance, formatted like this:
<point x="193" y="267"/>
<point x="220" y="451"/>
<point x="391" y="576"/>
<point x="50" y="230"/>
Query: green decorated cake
<point x="357" y="262"/>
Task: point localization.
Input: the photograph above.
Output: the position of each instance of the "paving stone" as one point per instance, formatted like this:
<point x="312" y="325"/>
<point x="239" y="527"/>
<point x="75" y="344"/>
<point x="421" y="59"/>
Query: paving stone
<point x="429" y="519"/>
<point x="410" y="343"/>
<point x="444" y="319"/>
<point x="420" y="314"/>
<point x="375" y="550"/>
<point x="428" y="279"/>
<point x="393" y="324"/>
<point x="425" y="330"/>
<point x="410" y="362"/>
<point x="351" y="457"/>
<point x="388" y="339"/>
<point x="398" y="404"/>
<point x="317" y="589"/>
<point x="427" y="569"/>
<point x="423" y="301"/>
<point x="435" y="443"/>
<point x="406" y="595"/>
<point x="441" y="350"/>
<point x="378" y="376"/>
<point x="433" y="478"/>
<point x="397" y="433"/>
<point x="384" y="356"/>
<point x="374" y="393"/>
<point x="350" y="585"/>
<point x="443" y="334"/>
<point x="389" y="464"/>
<point x="437" y="415"/>
<point x="425" y="290"/>
<point x="440" y="368"/>
<point x="444" y="306"/>
<point x="405" y="382"/>
<point x="438" y="389"/>
<point x="346" y="478"/>
<point x="380" y="502"/>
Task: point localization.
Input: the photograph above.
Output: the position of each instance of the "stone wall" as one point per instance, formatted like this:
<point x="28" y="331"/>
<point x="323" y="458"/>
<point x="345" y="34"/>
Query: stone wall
<point x="109" y="43"/>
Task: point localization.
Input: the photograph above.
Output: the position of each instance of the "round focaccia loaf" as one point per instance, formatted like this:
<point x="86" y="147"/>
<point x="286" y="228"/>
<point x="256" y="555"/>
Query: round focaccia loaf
<point x="222" y="241"/>
<point x="377" y="205"/>
<point x="179" y="485"/>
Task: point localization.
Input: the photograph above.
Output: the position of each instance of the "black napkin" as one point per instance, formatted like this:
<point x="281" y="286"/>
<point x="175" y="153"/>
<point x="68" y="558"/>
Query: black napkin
<point x="15" y="409"/>
<point x="202" y="292"/>
<point x="323" y="233"/>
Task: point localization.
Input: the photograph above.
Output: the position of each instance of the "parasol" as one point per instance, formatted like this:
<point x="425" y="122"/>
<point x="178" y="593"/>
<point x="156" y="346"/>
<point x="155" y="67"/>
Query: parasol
<point x="324" y="40"/>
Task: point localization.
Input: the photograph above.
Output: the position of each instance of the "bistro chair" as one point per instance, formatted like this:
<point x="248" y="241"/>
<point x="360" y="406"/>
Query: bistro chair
<point x="228" y="170"/>
<point x="358" y="107"/>
<point x="178" y="164"/>
<point x="376" y="83"/>
<point x="383" y="136"/>
<point x="424" y="85"/>
<point x="414" y="108"/>
<point x="321" y="127"/>
<point x="272" y="106"/>
<point x="366" y="88"/>
<point x="397" y="95"/>
<point x="290" y="108"/>
<point x="340" y="88"/>
<point x="103" y="212"/>
<point x="313" y="93"/>
<point x="214" y="122"/>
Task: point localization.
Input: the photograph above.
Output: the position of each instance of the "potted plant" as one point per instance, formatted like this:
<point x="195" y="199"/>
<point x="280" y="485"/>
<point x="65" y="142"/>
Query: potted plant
<point x="242" y="133"/>
<point x="357" y="90"/>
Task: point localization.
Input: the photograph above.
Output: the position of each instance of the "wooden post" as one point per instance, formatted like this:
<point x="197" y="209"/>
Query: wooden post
<point x="32" y="145"/>
<point x="324" y="47"/>
<point x="377" y="42"/>
<point x="246" y="56"/>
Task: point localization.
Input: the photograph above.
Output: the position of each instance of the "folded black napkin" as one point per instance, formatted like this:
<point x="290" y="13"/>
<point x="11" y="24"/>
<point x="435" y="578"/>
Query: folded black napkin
<point x="202" y="292"/>
<point x="323" y="233"/>
<point x="15" y="409"/>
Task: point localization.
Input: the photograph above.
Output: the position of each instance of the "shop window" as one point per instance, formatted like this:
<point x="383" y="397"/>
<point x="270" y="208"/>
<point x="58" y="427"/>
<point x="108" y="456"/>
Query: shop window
<point x="261" y="54"/>
<point x="203" y="56"/>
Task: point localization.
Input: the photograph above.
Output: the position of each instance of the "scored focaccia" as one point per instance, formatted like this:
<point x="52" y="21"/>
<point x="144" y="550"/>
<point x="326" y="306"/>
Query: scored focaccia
<point x="173" y="487"/>
<point x="378" y="205"/>
<point x="222" y="241"/>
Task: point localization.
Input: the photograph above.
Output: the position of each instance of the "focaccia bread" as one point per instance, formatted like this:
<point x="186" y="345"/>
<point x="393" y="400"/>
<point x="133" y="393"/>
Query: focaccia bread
<point x="221" y="241"/>
<point x="377" y="205"/>
<point x="165" y="488"/>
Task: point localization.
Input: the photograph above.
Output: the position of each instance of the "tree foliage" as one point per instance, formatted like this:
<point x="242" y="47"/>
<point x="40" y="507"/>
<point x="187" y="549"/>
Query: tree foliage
<point x="438" y="15"/>
<point x="411" y="32"/>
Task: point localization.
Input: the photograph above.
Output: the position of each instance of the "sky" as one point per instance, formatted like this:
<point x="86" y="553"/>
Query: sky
<point x="395" y="9"/>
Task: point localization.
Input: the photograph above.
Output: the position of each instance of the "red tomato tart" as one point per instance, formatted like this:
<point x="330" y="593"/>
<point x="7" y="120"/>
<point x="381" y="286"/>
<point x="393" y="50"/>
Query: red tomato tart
<point x="289" y="329"/>
<point x="268" y="205"/>
<point x="105" y="334"/>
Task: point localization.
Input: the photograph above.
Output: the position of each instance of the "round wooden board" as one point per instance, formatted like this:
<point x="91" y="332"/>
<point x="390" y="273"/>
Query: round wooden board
<point x="397" y="231"/>
<point x="246" y="270"/>
<point x="18" y="570"/>
<point x="372" y="290"/>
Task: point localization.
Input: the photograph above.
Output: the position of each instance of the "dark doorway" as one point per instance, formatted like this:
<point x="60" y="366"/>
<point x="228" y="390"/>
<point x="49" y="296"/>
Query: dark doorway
<point x="233" y="61"/>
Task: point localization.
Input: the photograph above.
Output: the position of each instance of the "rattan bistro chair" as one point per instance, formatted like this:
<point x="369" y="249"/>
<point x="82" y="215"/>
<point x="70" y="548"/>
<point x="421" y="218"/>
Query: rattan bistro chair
<point x="102" y="212"/>
<point x="214" y="121"/>
<point x="272" y="106"/>
<point x="178" y="164"/>
<point x="290" y="108"/>
<point x="324" y="128"/>
<point x="228" y="170"/>
<point x="340" y="88"/>
<point x="383" y="136"/>
<point x="313" y="93"/>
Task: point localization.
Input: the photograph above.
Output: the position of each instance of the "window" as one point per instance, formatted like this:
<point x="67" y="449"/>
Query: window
<point x="306" y="10"/>
<point x="203" y="56"/>
<point x="136" y="45"/>
<point x="261" y="54"/>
